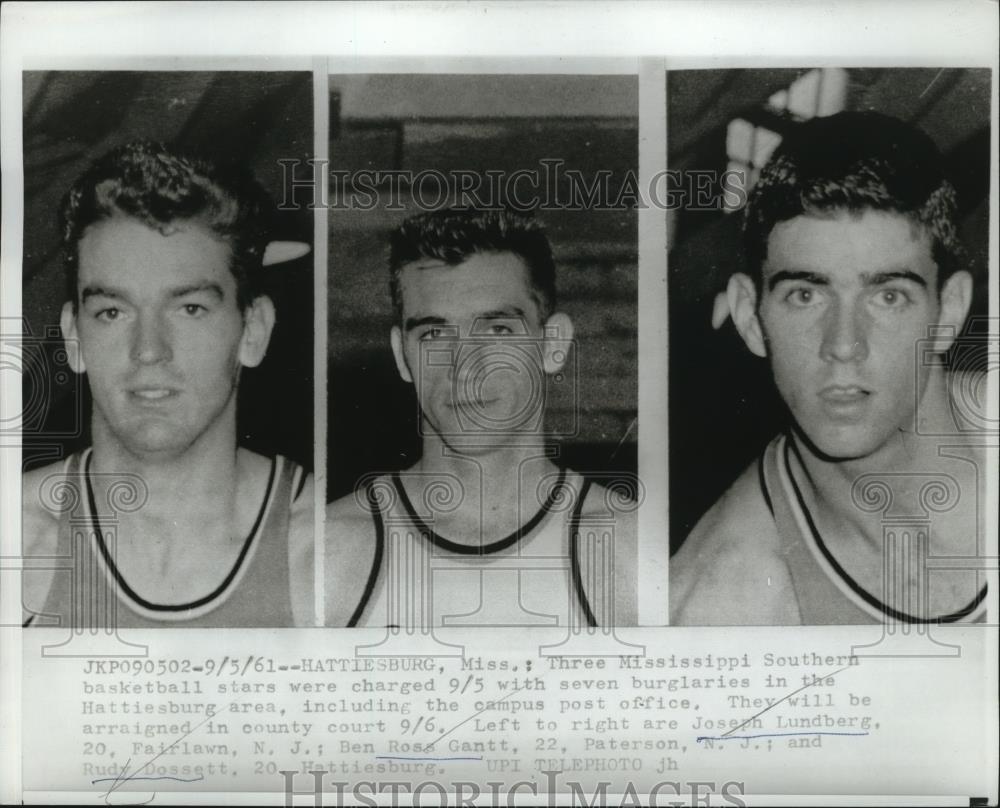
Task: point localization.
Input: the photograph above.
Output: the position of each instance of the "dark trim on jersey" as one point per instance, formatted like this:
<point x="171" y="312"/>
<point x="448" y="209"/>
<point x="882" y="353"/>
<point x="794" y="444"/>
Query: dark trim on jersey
<point x="157" y="607"/>
<point x="763" y="483"/>
<point x="859" y="590"/>
<point x="302" y="484"/>
<point x="486" y="549"/>
<point x="574" y="554"/>
<point x="377" y="563"/>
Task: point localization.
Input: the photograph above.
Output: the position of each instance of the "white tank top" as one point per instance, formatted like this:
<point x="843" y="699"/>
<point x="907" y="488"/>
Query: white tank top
<point x="530" y="578"/>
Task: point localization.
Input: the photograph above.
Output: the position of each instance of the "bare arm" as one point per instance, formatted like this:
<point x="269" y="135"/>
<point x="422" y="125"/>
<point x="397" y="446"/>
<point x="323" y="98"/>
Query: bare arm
<point x="39" y="538"/>
<point x="729" y="572"/>
<point x="350" y="555"/>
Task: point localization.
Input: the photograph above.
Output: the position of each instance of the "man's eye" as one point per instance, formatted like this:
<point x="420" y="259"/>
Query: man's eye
<point x="436" y="332"/>
<point x="108" y="315"/>
<point x="194" y="309"/>
<point x="892" y="298"/>
<point x="499" y="327"/>
<point x="802" y="296"/>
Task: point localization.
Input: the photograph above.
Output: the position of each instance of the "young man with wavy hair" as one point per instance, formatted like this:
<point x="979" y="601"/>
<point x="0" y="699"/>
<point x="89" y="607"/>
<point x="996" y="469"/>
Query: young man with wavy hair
<point x="856" y="289"/>
<point x="163" y="256"/>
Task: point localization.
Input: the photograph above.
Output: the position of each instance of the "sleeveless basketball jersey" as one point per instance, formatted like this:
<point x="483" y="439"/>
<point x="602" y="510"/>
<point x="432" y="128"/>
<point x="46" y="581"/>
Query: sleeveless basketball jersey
<point x="826" y="594"/>
<point x="254" y="592"/>
<point x="420" y="579"/>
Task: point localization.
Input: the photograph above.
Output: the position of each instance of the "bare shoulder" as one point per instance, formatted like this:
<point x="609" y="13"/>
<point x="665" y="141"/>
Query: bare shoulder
<point x="730" y="570"/>
<point x="253" y="469"/>
<point x="350" y="543"/>
<point x="41" y="502"/>
<point x="350" y="526"/>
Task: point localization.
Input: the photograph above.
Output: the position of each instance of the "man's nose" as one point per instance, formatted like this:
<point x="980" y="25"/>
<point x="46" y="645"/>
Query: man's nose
<point x="151" y="340"/>
<point x="845" y="333"/>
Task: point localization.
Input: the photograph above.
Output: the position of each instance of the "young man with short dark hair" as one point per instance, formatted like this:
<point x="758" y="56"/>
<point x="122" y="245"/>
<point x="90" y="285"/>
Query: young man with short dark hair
<point x="857" y="288"/>
<point x="485" y="529"/>
<point x="163" y="256"/>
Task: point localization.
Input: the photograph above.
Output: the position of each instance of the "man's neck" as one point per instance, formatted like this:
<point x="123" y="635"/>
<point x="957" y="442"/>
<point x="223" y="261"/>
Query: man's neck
<point x="500" y="488"/>
<point x="201" y="474"/>
<point x="904" y="462"/>
<point x="198" y="507"/>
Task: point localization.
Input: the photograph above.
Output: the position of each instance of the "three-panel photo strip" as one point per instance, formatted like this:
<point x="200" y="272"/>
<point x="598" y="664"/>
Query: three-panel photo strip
<point x="504" y="348"/>
<point x="349" y="394"/>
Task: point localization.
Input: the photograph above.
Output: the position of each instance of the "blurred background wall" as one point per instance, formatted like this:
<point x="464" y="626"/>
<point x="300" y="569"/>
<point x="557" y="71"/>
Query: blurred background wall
<point x="500" y="123"/>
<point x="723" y="406"/>
<point x="256" y="118"/>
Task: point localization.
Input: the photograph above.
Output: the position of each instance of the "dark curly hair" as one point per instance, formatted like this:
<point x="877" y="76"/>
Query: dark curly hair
<point x="161" y="186"/>
<point x="455" y="234"/>
<point x="855" y="161"/>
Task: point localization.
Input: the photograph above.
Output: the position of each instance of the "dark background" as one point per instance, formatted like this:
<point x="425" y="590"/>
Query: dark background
<point x="71" y="119"/>
<point x="479" y="123"/>
<point x="723" y="405"/>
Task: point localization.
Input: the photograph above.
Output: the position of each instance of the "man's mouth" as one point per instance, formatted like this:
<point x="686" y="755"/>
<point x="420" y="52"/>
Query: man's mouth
<point x="845" y="401"/>
<point x="844" y="394"/>
<point x="153" y="394"/>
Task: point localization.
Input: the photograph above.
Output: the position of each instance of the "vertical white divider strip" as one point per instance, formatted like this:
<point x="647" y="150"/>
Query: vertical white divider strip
<point x="321" y="157"/>
<point x="653" y="544"/>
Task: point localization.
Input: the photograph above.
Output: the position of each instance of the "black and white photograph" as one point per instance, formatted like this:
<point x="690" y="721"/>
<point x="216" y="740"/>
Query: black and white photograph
<point x="828" y="437"/>
<point x="483" y="356"/>
<point x="168" y="322"/>
<point x="491" y="403"/>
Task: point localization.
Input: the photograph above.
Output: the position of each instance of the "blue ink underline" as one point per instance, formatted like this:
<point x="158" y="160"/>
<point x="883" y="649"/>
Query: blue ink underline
<point x="769" y="735"/>
<point x="163" y="777"/>
<point x="401" y="757"/>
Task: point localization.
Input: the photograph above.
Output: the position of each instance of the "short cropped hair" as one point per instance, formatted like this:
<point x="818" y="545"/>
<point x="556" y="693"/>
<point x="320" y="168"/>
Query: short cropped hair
<point x="162" y="186"/>
<point x="855" y="161"/>
<point x="454" y="235"/>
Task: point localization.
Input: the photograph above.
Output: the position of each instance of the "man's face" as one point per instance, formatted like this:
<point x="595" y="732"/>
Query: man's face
<point x="160" y="333"/>
<point x="844" y="301"/>
<point x="472" y="342"/>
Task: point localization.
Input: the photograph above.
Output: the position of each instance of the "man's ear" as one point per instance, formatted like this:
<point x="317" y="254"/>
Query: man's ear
<point x="742" y="295"/>
<point x="956" y="298"/>
<point x="396" y="338"/>
<point x="258" y="322"/>
<point x="557" y="342"/>
<point x="67" y="323"/>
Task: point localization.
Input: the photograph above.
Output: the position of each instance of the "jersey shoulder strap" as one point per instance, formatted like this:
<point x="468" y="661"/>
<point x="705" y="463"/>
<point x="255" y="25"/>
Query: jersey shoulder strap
<point x="819" y="600"/>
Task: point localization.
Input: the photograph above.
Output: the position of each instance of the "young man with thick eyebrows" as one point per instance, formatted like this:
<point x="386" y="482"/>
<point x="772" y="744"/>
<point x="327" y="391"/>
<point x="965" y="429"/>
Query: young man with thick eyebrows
<point x="485" y="527"/>
<point x="163" y="257"/>
<point x="857" y="289"/>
